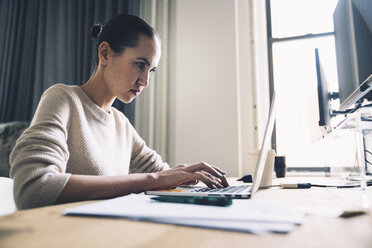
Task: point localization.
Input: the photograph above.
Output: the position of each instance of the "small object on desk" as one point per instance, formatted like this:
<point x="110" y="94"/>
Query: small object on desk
<point x="201" y="200"/>
<point x="289" y="186"/>
<point x="296" y="186"/>
<point x="246" y="178"/>
<point x="352" y="213"/>
<point x="279" y="166"/>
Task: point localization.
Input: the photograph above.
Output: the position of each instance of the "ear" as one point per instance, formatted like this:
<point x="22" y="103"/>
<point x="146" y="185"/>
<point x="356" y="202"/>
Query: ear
<point x="103" y="52"/>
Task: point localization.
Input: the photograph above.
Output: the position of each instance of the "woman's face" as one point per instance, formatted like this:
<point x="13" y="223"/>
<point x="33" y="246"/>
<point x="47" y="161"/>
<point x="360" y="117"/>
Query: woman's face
<point x="127" y="74"/>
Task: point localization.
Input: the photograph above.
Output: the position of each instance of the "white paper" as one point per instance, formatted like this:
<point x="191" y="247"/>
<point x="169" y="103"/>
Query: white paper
<point x="243" y="215"/>
<point x="239" y="226"/>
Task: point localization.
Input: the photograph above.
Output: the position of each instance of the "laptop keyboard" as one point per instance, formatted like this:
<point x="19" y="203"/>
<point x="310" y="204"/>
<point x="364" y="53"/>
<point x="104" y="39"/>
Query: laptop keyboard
<point x="229" y="189"/>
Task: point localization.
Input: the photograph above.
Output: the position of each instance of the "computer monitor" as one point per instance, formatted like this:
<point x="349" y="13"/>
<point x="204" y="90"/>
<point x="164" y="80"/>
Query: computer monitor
<point x="353" y="38"/>
<point x="323" y="94"/>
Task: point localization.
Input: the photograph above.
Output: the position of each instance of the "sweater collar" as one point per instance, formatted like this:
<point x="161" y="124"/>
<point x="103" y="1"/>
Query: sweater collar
<point x="97" y="112"/>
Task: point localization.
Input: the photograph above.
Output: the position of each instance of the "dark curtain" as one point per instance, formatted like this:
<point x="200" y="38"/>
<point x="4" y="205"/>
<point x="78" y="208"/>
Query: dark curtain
<point x="44" y="42"/>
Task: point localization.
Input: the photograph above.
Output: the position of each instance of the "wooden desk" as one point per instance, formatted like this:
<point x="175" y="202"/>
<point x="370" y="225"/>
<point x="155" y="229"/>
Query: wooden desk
<point x="46" y="227"/>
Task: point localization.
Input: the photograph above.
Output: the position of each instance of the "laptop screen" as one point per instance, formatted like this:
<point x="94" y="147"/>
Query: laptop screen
<point x="261" y="161"/>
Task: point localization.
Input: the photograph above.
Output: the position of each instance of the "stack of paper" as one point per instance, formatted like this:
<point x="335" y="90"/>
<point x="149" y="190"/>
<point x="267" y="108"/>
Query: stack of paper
<point x="253" y="216"/>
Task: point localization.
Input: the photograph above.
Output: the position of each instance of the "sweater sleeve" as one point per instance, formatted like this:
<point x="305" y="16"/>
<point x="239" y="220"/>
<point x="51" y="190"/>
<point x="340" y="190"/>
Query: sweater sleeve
<point x="38" y="160"/>
<point x="144" y="159"/>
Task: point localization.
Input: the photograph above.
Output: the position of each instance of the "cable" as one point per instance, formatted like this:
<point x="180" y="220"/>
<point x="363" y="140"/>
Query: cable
<point x="368" y="162"/>
<point x="358" y="105"/>
<point x="368" y="152"/>
<point x="309" y="185"/>
<point x="366" y="119"/>
<point x="369" y="183"/>
<point x="348" y="111"/>
<point x="366" y="158"/>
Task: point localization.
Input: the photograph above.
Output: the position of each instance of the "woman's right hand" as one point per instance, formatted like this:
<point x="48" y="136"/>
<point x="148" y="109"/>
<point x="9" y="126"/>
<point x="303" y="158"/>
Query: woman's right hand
<point x="210" y="175"/>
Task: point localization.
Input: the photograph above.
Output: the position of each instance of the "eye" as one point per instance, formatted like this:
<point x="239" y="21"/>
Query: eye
<point x="153" y="70"/>
<point x="140" y="65"/>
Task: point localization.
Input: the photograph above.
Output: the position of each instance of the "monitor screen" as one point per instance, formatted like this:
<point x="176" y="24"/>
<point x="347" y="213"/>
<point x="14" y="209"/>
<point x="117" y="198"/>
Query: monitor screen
<point x="323" y="94"/>
<point x="353" y="40"/>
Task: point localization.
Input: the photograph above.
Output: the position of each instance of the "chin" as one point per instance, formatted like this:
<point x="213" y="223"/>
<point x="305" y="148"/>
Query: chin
<point x="126" y="99"/>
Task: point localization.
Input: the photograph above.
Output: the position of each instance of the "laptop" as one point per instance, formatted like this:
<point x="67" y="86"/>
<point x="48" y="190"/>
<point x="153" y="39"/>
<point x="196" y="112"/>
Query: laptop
<point x="236" y="192"/>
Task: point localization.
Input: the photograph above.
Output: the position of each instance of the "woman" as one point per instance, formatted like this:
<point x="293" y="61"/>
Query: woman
<point x="78" y="147"/>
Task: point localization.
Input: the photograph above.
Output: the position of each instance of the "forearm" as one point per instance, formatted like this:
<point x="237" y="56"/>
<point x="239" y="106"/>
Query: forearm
<point x="82" y="187"/>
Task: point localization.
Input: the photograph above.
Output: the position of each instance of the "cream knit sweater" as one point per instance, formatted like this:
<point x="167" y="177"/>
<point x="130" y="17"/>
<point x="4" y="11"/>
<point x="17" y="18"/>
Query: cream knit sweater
<point x="69" y="134"/>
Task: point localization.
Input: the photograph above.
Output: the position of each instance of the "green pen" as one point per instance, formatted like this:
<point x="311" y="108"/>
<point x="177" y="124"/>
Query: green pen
<point x="201" y="200"/>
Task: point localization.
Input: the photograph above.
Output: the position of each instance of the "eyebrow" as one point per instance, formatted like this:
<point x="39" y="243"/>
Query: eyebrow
<point x="145" y="60"/>
<point x="148" y="63"/>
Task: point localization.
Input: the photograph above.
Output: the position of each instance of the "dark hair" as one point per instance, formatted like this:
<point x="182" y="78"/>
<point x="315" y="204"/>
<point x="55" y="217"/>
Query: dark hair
<point x="122" y="31"/>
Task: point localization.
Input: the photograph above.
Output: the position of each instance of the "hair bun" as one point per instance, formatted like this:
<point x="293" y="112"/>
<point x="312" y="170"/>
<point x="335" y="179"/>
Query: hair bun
<point x="96" y="29"/>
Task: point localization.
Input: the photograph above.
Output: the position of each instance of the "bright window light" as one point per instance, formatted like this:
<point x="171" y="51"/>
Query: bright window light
<point x="299" y="17"/>
<point x="298" y="135"/>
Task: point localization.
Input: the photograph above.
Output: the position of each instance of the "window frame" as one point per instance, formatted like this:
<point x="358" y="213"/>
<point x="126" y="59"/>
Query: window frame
<point x="270" y="42"/>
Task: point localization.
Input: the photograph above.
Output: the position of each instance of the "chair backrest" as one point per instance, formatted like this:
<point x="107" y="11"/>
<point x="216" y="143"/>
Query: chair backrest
<point x="9" y="133"/>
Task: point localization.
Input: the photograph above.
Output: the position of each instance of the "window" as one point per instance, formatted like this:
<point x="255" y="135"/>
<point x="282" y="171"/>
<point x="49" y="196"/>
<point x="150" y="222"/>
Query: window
<point x="295" y="29"/>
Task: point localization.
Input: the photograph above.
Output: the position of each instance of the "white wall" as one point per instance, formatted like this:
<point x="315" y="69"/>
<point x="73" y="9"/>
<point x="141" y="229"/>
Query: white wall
<point x="212" y="102"/>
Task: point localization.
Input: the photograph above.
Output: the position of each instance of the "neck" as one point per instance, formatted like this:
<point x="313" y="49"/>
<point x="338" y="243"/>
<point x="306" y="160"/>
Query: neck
<point x="98" y="92"/>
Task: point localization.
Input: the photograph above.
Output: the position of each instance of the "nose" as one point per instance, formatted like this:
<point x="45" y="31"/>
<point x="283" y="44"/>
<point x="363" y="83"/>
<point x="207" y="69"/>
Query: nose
<point x="143" y="80"/>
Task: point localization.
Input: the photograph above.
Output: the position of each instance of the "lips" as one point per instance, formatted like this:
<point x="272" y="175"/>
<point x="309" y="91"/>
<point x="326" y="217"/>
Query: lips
<point x="135" y="92"/>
